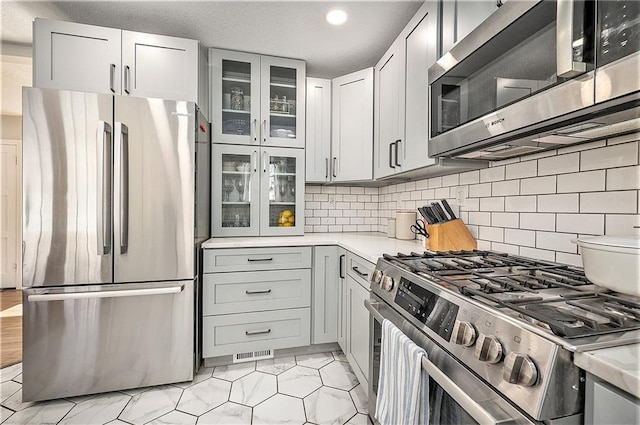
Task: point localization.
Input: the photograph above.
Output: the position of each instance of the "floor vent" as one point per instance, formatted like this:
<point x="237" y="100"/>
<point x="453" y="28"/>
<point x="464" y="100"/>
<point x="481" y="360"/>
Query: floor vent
<point x="252" y="355"/>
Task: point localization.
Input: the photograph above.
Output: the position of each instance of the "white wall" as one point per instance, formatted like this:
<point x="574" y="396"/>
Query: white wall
<point x="532" y="206"/>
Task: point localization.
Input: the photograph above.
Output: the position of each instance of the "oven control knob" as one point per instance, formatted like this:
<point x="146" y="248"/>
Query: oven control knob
<point x="464" y="333"/>
<point x="376" y="277"/>
<point x="387" y="283"/>
<point x="488" y="349"/>
<point x="519" y="369"/>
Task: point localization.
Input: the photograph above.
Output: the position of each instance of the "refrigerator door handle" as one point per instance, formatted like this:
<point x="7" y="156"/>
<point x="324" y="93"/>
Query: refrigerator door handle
<point x="104" y="189"/>
<point x="105" y="294"/>
<point x="123" y="131"/>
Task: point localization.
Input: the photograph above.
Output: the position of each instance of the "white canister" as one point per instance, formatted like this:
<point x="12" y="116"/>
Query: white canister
<point x="391" y="227"/>
<point x="404" y="220"/>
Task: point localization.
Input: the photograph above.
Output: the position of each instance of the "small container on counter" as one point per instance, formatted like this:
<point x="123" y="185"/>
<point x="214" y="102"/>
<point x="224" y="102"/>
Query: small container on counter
<point x="404" y="220"/>
<point x="391" y="227"/>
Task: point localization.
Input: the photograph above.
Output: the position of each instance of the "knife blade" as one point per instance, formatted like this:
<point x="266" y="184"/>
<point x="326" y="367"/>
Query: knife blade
<point x="423" y="214"/>
<point x="447" y="207"/>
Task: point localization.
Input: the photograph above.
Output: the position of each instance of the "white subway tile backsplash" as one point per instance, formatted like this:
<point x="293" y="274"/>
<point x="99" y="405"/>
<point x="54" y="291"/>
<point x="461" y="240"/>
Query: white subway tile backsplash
<point x="480" y="190"/>
<point x="428" y="194"/>
<point x="421" y="184"/>
<point x="322" y="197"/>
<point x="409" y="186"/>
<point x="320" y="213"/>
<point x="343" y="190"/>
<point x="313" y="189"/>
<point x="538" y="221"/>
<point x="328" y="220"/>
<point x="416" y="195"/>
<point x="570" y="259"/>
<point x="308" y="197"/>
<point x="555" y="241"/>
<point x="621" y="202"/>
<point x="493" y="234"/>
<point x="521" y="170"/>
<point x="538" y="185"/>
<point x="435" y="182"/>
<point x="357" y="190"/>
<point x="611" y="156"/>
<point x="442" y="192"/>
<point x="357" y="220"/>
<point x="623" y="139"/>
<point x="349" y="228"/>
<point x="480" y="218"/>
<point x="450" y="180"/>
<point x="505" y="188"/>
<point x="520" y="204"/>
<point x="342" y="220"/>
<point x="591" y="181"/>
<point x="312" y="221"/>
<point x="622" y="224"/>
<point x="371" y="190"/>
<point x="504" y="162"/>
<point x="364" y="198"/>
<point x="592" y="224"/>
<point x="539" y="254"/>
<point x="623" y="178"/>
<point x="558" y="203"/>
<point x="484" y="245"/>
<point x="312" y="205"/>
<point x="492" y="174"/>
<point x="560" y="164"/>
<point x="328" y="189"/>
<point x="582" y="146"/>
<point x="499" y="219"/>
<point x="492" y="204"/>
<point x="470" y="177"/>
<point x="540" y="155"/>
<point x="503" y="247"/>
<point x="520" y="237"/>
<point x="320" y="229"/>
<point x="471" y="204"/>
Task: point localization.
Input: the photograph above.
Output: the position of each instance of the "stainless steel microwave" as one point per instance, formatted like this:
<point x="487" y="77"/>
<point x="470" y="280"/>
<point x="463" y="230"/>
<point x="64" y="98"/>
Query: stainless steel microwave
<point x="536" y="75"/>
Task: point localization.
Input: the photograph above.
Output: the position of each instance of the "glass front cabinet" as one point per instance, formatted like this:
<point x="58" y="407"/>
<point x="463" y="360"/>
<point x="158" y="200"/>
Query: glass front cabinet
<point x="257" y="191"/>
<point x="257" y="100"/>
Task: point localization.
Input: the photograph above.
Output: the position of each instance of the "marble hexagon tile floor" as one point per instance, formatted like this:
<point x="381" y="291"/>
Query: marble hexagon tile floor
<point x="317" y="389"/>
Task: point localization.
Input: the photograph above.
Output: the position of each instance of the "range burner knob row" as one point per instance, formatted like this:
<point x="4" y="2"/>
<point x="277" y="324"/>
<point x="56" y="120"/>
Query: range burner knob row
<point x="376" y="276"/>
<point x="387" y="283"/>
<point x="464" y="334"/>
<point x="519" y="369"/>
<point x="488" y="349"/>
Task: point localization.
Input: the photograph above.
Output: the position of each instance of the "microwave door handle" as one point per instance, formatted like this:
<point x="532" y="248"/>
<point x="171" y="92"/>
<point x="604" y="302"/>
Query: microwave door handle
<point x="467" y="403"/>
<point x="565" y="65"/>
<point x="103" y="198"/>
<point x="124" y="188"/>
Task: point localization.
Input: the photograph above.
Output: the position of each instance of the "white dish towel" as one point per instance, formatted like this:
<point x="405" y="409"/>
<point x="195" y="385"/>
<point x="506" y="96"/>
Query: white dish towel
<point x="403" y="387"/>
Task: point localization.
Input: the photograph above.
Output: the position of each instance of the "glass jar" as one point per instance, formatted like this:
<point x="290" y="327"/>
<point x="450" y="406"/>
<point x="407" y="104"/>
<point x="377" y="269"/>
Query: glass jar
<point x="237" y="99"/>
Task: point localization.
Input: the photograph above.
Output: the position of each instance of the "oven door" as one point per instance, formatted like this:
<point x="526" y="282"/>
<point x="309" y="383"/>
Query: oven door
<point x="456" y="396"/>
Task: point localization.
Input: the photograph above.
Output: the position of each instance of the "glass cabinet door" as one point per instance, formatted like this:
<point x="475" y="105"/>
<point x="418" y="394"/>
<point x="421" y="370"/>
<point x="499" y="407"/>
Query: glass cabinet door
<point x="282" y="192"/>
<point x="283" y="102"/>
<point x="235" y="102"/>
<point x="235" y="188"/>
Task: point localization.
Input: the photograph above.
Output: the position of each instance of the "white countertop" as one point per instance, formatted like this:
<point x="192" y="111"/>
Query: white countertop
<point x="368" y="245"/>
<point x="620" y="366"/>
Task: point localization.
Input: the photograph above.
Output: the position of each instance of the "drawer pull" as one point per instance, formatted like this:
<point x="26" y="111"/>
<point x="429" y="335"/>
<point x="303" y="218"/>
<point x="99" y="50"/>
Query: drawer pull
<point x="260" y="259"/>
<point x="268" y="331"/>
<point x="355" y="269"/>
<point x="266" y="291"/>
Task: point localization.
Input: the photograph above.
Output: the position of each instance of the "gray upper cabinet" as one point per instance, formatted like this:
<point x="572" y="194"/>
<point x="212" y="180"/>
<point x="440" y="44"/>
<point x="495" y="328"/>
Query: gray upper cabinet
<point x="318" y="149"/>
<point x="352" y="127"/>
<point x="460" y="17"/>
<point x="401" y="97"/>
<point x="159" y="66"/>
<point x="78" y="57"/>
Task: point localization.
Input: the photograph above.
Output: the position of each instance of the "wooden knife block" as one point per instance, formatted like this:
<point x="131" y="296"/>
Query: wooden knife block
<point x="450" y="236"/>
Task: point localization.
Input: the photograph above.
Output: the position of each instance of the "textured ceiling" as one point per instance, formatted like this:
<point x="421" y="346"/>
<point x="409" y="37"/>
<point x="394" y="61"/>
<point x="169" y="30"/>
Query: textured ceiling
<point x="294" y="29"/>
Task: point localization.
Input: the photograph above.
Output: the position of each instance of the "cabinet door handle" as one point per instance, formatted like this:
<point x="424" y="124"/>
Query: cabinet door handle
<point x="341" y="273"/>
<point x="266" y="291"/>
<point x="326" y="168"/>
<point x="355" y="269"/>
<point x="391" y="155"/>
<point x="264" y="162"/>
<point x="112" y="77"/>
<point x="264" y="130"/>
<point x="397" y="143"/>
<point x="254" y="161"/>
<point x="127" y="79"/>
<point x="266" y="331"/>
<point x="259" y="259"/>
<point x="333" y="173"/>
<point x="255" y="130"/>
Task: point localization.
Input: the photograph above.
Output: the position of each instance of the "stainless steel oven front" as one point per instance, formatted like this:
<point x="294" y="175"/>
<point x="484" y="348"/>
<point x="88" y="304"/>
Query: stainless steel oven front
<point x="456" y="395"/>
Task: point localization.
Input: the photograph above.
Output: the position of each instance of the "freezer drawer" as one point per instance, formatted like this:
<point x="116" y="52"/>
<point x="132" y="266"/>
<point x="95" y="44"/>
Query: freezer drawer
<point x="93" y="339"/>
<point x="225" y="293"/>
<point x="238" y="333"/>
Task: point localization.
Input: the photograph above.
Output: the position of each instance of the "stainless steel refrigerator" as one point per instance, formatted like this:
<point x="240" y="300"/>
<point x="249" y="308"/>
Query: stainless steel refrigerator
<point x="115" y="207"/>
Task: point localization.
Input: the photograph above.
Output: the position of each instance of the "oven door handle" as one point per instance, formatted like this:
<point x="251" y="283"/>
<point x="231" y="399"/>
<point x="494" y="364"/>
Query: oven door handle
<point x="475" y="410"/>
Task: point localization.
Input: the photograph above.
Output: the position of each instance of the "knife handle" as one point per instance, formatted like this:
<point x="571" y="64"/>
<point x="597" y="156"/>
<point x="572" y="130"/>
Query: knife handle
<point x="448" y="208"/>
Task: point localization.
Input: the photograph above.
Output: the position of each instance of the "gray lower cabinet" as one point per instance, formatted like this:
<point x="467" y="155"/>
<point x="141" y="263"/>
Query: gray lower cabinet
<point x="342" y="296"/>
<point x="326" y="266"/>
<point x="606" y="404"/>
<point x="255" y="299"/>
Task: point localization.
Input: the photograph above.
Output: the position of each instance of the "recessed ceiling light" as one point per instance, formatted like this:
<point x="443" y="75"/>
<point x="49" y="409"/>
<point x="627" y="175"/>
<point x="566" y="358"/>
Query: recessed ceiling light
<point x="337" y="17"/>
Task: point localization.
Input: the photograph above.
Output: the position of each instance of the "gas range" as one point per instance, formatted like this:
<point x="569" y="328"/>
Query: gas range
<point x="514" y="321"/>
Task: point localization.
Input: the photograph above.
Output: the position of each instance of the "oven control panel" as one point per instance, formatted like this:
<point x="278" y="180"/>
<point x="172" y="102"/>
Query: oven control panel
<point x="435" y="312"/>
